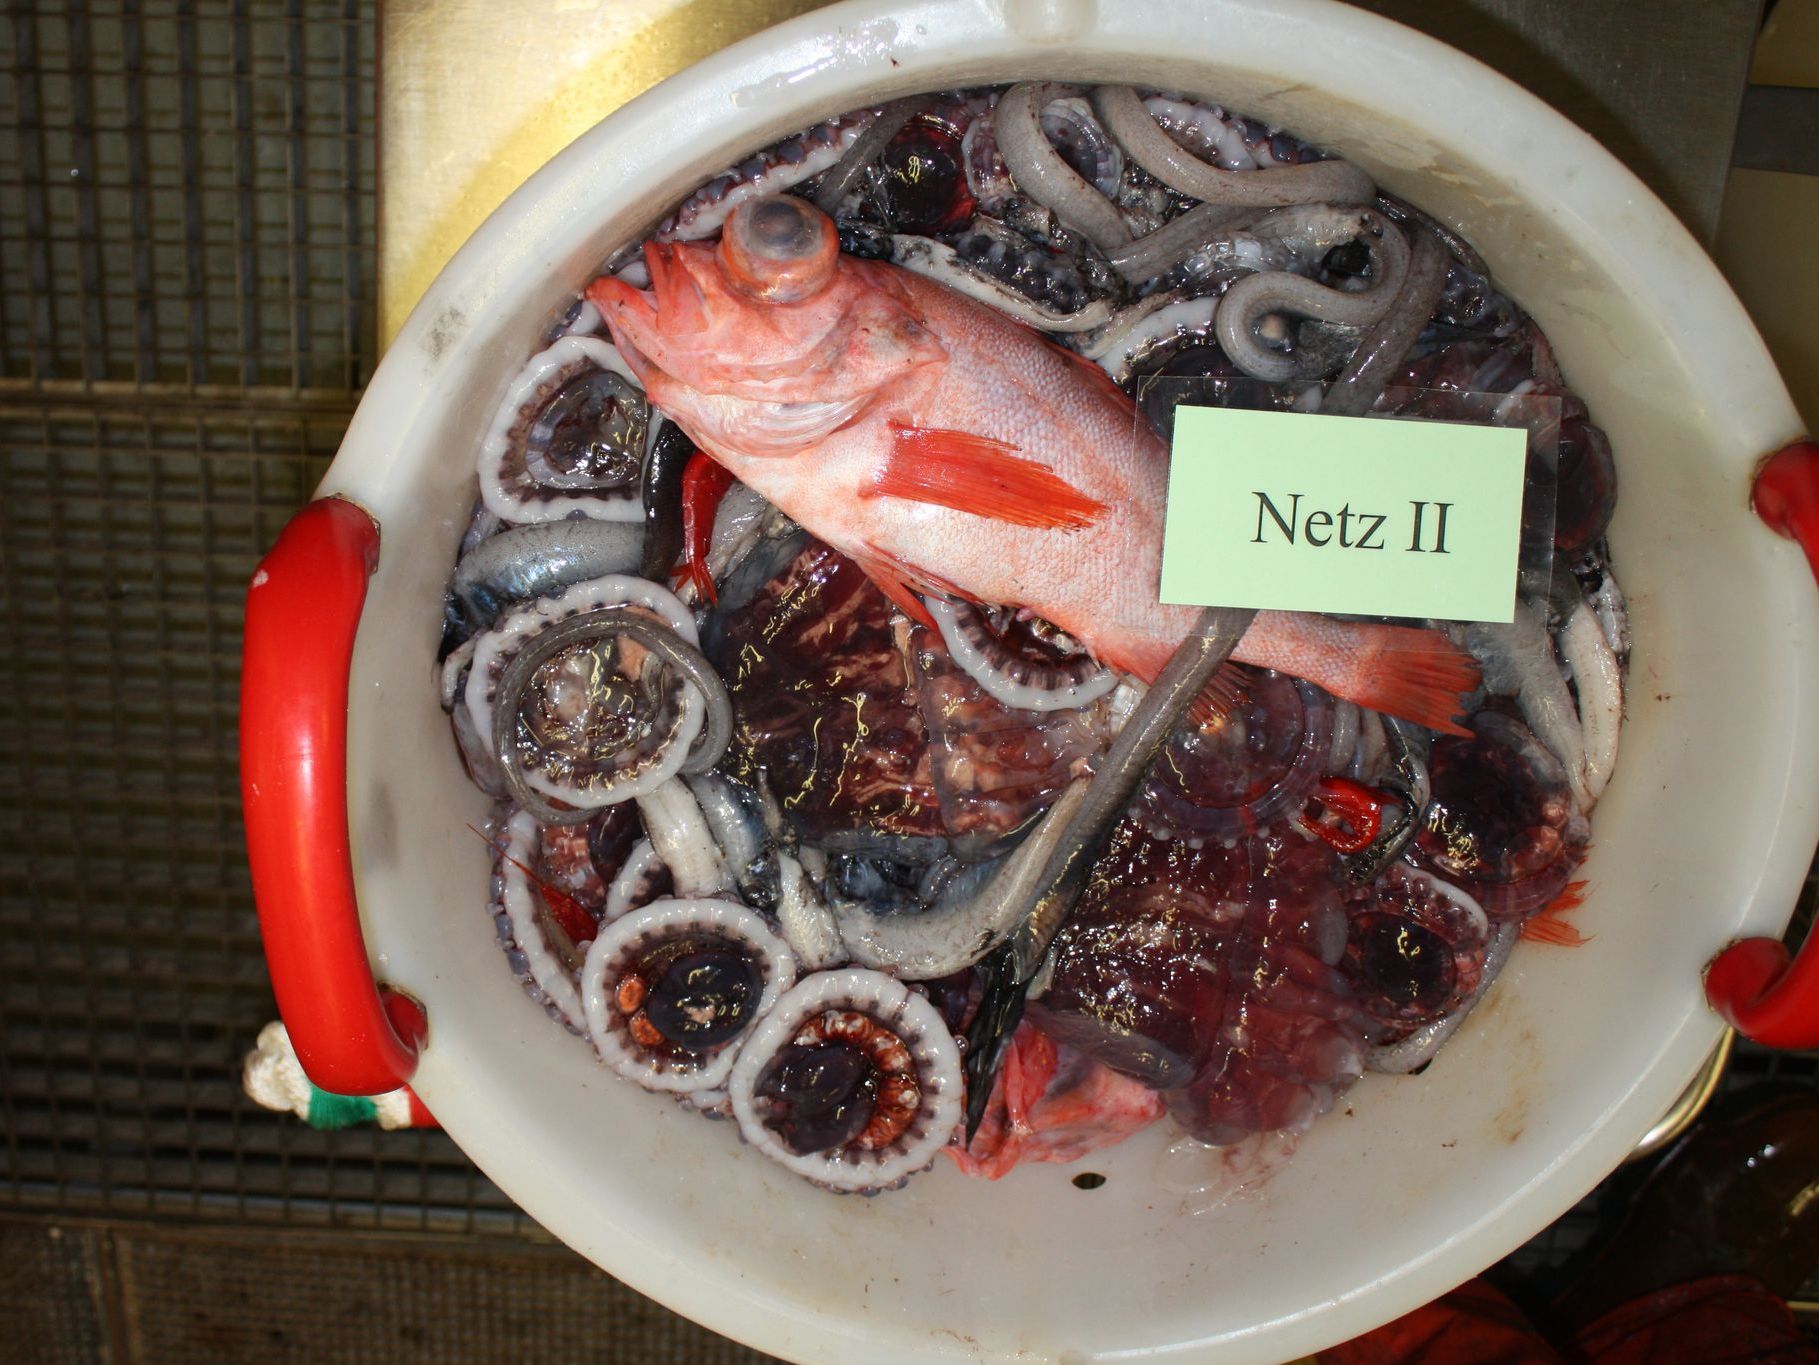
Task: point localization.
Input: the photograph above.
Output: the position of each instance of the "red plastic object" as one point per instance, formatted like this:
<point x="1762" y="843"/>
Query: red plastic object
<point x="1786" y="496"/>
<point x="1359" y="812"/>
<point x="352" y="1035"/>
<point x="1762" y="991"/>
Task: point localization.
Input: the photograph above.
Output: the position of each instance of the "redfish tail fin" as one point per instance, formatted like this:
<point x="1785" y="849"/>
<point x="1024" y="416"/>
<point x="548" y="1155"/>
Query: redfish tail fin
<point x="1551" y="926"/>
<point x="1405" y="671"/>
<point x="982" y="476"/>
<point x="1416" y="674"/>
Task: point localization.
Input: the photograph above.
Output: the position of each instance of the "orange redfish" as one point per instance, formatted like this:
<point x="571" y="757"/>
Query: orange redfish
<point x="952" y="451"/>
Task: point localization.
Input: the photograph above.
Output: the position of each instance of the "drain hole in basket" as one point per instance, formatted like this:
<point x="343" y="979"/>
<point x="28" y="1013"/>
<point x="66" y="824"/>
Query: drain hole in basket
<point x="1088" y="1180"/>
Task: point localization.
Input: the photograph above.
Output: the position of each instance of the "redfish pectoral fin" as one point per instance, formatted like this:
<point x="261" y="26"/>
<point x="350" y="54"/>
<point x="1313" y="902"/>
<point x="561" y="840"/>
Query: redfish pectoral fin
<point x="980" y="475"/>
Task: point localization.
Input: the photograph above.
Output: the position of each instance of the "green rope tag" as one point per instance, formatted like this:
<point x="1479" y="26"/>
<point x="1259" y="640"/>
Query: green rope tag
<point x="339" y="1111"/>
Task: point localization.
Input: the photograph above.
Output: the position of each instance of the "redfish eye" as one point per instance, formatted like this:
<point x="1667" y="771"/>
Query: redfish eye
<point x="779" y="249"/>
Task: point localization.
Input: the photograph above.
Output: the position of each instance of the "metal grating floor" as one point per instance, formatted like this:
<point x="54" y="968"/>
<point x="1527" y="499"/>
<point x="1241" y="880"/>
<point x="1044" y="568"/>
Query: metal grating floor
<point x="185" y="270"/>
<point x="189" y="194"/>
<point x="186" y="319"/>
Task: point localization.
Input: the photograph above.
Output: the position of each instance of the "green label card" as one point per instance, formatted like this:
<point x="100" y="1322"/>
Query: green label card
<point x="1371" y="516"/>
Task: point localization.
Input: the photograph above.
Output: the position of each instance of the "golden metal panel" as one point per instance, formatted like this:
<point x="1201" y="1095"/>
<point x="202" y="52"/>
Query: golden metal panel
<point x="474" y="96"/>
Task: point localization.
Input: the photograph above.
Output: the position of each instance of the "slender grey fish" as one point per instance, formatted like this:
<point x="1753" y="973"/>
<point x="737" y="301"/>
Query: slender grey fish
<point x="1200" y="656"/>
<point x="981" y="911"/>
<point x="1009" y="970"/>
<point x="1518" y="660"/>
<point x="1598" y="678"/>
<point x="534" y="561"/>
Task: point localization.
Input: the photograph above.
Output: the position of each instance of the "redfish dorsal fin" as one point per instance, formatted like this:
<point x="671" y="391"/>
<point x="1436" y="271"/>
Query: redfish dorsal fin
<point x="980" y="475"/>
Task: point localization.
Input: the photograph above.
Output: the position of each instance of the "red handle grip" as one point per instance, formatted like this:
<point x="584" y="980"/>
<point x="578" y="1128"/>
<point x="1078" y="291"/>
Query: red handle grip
<point x="1786" y="496"/>
<point x="353" y="1036"/>
<point x="1762" y="991"/>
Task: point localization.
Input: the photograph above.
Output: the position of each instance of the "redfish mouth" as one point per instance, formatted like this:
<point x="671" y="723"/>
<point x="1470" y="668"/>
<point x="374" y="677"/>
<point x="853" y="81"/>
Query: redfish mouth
<point x="673" y="304"/>
<point x="644" y="321"/>
<point x="681" y="306"/>
<point x="627" y="311"/>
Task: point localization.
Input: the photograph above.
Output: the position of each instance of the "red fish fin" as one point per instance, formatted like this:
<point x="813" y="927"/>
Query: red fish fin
<point x="923" y="580"/>
<point x="1550" y="926"/>
<point x="1419" y="675"/>
<point x="697" y="577"/>
<point x="904" y="583"/>
<point x="568" y="912"/>
<point x="1223" y="694"/>
<point x="979" y="475"/>
<point x="1405" y="671"/>
<point x="888" y="581"/>
<point x="1143" y="660"/>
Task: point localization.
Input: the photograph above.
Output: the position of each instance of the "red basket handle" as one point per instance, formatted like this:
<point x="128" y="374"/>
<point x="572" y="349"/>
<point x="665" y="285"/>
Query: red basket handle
<point x="352" y="1035"/>
<point x="1766" y="994"/>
